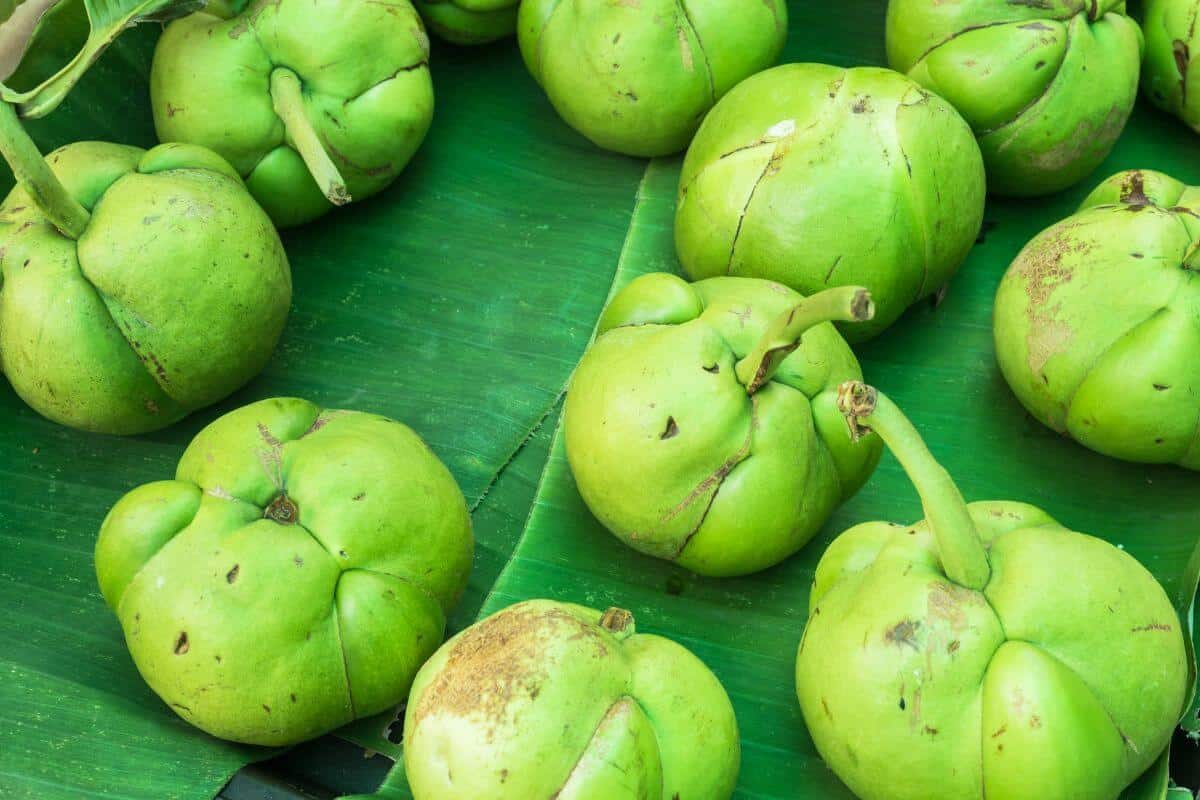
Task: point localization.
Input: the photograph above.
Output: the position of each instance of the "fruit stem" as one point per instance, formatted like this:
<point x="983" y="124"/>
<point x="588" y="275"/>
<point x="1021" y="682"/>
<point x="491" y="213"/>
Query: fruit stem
<point x="843" y="303"/>
<point x="33" y="173"/>
<point x="962" y="552"/>
<point x="288" y="98"/>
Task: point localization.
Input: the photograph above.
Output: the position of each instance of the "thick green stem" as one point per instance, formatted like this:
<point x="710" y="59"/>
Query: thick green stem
<point x="963" y="555"/>
<point x="33" y="173"/>
<point x="289" y="105"/>
<point x="842" y="304"/>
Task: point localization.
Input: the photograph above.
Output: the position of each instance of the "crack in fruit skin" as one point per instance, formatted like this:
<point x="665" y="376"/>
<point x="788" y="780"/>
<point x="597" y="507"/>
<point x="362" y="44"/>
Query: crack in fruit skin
<point x="1047" y="87"/>
<point x="543" y="699"/>
<point x="751" y="411"/>
<point x="1091" y="368"/>
<point x="816" y="176"/>
<point x="638" y="76"/>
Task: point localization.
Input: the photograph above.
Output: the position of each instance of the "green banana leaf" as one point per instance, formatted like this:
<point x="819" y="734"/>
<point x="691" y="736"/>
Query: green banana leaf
<point x="77" y="32"/>
<point x="459" y="301"/>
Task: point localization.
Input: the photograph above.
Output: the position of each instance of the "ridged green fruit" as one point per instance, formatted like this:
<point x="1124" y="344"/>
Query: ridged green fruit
<point x="295" y="574"/>
<point x="135" y="287"/>
<point x="638" y="76"/>
<point x="985" y="652"/>
<point x="549" y="699"/>
<point x="1097" y="321"/>
<point x="470" y="21"/>
<point x="315" y="102"/>
<point x="1047" y="85"/>
<point x="701" y="426"/>
<point x="1171" y="66"/>
<point x="817" y="176"/>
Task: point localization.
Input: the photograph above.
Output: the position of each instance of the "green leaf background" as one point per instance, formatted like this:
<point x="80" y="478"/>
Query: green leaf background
<point x="459" y="301"/>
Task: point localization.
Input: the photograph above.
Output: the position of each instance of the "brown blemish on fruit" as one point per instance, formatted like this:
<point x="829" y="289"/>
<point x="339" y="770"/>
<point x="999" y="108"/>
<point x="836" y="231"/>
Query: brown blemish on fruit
<point x="903" y="634"/>
<point x="1035" y="721"/>
<point x="615" y="620"/>
<point x="945" y="602"/>
<point x="1043" y="271"/>
<point x="181" y="644"/>
<point x="671" y="431"/>
<point x="1179" y="49"/>
<point x="232" y="575"/>
<point x="282" y="510"/>
<point x="1000" y="731"/>
<point x="497" y="662"/>
<point x="1083" y="138"/>
<point x="1153" y="626"/>
<point x="318" y="423"/>
<point x="1133" y="190"/>
<point x="685" y="50"/>
<point x="825" y="705"/>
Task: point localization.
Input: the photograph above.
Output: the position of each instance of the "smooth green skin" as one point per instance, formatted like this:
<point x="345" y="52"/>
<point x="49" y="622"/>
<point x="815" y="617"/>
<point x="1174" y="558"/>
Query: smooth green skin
<point x="1168" y="67"/>
<point x="1068" y="670"/>
<point x="1097" y="322"/>
<point x="746" y="481"/>
<point x="1047" y="86"/>
<point x="367" y="92"/>
<point x="294" y="629"/>
<point x="816" y="176"/>
<point x="638" y="76"/>
<point x="470" y="21"/>
<point x="539" y="700"/>
<point x="174" y="296"/>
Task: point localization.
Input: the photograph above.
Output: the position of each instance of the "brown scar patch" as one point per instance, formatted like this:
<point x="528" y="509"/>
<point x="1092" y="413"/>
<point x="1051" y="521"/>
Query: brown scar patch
<point x="498" y="662"/>
<point x="903" y="634"/>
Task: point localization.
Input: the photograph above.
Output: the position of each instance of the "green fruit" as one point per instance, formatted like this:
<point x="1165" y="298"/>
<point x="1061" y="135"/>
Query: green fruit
<point x="314" y="102"/>
<point x="548" y="699"/>
<point x="985" y="630"/>
<point x="135" y="287"/>
<point x="295" y="574"/>
<point x="1047" y="85"/>
<point x="701" y="428"/>
<point x="1168" y="66"/>
<point x="816" y="176"/>
<point x="638" y="76"/>
<point x="1097" y="321"/>
<point x="470" y="21"/>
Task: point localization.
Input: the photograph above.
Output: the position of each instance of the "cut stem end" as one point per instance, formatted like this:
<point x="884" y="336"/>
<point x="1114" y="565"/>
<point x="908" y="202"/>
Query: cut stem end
<point x="856" y="400"/>
<point x="288" y="99"/>
<point x="616" y="620"/>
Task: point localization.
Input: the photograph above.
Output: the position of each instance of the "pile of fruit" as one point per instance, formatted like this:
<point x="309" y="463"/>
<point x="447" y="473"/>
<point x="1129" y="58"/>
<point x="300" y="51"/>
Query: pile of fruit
<point x="297" y="572"/>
